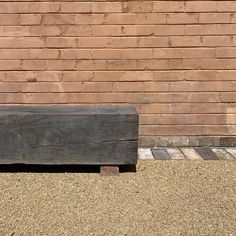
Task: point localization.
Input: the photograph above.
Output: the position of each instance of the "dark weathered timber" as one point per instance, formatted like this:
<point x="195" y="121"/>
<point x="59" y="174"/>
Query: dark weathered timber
<point x="206" y="153"/>
<point x="160" y="154"/>
<point x="68" y="135"/>
<point x="109" y="170"/>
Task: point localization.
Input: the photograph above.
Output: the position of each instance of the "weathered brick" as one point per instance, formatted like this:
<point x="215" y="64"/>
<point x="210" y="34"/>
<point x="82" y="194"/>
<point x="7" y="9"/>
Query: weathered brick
<point x="139" y="6"/>
<point x="12" y="65"/>
<point x="9" y="19"/>
<point x="61" y="42"/>
<point x="168" y="6"/>
<point x="106" y="7"/>
<point x="58" y="19"/>
<point x="77" y="76"/>
<point x="226" y="52"/>
<point x="214" y="18"/>
<point x="75" y="54"/>
<point x="182" y="18"/>
<point x="43" y="53"/>
<point x="30" y="19"/>
<point x="201" y="6"/>
<point x="72" y="7"/>
<point x="34" y="65"/>
<point x="123" y="76"/>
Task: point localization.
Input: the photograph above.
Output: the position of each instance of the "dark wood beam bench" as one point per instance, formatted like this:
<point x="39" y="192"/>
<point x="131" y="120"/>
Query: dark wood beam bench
<point x="57" y="135"/>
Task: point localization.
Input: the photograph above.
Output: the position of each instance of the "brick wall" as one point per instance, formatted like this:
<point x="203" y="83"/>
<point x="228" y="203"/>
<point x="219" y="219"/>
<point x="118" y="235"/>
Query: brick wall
<point x="174" y="60"/>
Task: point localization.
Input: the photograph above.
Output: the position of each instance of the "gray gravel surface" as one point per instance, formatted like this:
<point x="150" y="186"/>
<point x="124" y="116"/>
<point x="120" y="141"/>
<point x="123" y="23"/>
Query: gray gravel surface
<point x="162" y="198"/>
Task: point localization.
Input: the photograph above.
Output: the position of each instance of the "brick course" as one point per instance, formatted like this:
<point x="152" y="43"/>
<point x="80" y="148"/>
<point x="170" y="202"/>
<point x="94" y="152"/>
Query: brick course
<point x="174" y="60"/>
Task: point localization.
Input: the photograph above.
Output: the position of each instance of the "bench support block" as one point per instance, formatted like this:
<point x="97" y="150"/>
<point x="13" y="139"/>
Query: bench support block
<point x="109" y="170"/>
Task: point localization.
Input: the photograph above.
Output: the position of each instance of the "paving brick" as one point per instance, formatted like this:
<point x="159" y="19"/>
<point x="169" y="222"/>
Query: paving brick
<point x="175" y="154"/>
<point x="191" y="154"/>
<point x="222" y="154"/>
<point x="160" y="154"/>
<point x="145" y="154"/>
<point x="206" y="153"/>
<point x="232" y="151"/>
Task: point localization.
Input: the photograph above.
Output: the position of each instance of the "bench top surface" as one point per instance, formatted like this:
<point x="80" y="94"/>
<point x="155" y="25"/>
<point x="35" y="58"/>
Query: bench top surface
<point x="88" y="110"/>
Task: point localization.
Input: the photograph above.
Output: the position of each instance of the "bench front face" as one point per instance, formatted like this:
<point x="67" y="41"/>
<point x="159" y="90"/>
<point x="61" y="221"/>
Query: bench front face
<point x="74" y="135"/>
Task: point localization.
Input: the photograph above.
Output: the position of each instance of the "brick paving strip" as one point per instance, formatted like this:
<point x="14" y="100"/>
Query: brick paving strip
<point x="197" y="153"/>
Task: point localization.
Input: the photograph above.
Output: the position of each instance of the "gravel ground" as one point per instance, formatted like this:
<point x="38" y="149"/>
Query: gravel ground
<point x="162" y="198"/>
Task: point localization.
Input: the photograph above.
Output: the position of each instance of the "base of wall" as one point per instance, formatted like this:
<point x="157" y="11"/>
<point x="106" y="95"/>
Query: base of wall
<point x="187" y="141"/>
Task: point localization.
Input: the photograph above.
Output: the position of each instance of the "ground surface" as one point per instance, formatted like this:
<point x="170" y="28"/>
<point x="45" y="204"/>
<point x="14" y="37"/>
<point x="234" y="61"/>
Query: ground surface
<point x="162" y="198"/>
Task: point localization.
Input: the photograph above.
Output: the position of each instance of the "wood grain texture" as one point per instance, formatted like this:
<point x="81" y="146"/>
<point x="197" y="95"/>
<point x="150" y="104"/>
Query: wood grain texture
<point x="68" y="135"/>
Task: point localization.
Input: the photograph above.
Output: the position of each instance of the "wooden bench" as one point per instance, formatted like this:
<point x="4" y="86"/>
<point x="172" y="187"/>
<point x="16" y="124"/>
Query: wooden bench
<point x="58" y="135"/>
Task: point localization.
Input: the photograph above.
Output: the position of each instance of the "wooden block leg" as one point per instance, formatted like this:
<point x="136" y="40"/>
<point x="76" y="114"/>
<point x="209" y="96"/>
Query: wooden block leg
<point x="109" y="170"/>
